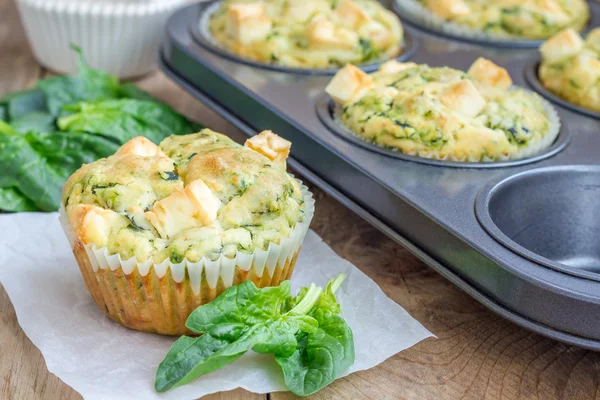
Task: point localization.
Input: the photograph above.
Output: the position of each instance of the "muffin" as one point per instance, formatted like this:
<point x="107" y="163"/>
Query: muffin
<point x="159" y="230"/>
<point x="306" y="33"/>
<point x="570" y="67"/>
<point x="443" y="113"/>
<point x="516" y="19"/>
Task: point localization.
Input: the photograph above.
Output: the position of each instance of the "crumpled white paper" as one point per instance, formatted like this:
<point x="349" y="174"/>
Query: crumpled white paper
<point x="102" y="360"/>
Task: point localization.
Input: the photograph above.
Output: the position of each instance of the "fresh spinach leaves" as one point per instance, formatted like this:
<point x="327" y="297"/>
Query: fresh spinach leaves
<point x="87" y="85"/>
<point x="48" y="132"/>
<point x="124" y="119"/>
<point x="310" y="341"/>
<point x="323" y="354"/>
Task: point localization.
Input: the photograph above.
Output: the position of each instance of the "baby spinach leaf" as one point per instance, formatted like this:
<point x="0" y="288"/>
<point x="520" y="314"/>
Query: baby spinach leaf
<point x="323" y="354"/>
<point x="18" y="104"/>
<point x="28" y="171"/>
<point x="37" y="164"/>
<point x="124" y="119"/>
<point x="242" y="318"/>
<point x="131" y="91"/>
<point x="34" y="121"/>
<point x="65" y="152"/>
<point x="190" y="358"/>
<point x="12" y="200"/>
<point x="87" y="85"/>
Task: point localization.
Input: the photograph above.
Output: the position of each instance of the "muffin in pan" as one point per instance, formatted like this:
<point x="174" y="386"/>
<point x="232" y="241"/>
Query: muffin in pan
<point x="443" y="113"/>
<point x="500" y="19"/>
<point x="570" y="67"/>
<point x="306" y="33"/>
<point x="158" y="231"/>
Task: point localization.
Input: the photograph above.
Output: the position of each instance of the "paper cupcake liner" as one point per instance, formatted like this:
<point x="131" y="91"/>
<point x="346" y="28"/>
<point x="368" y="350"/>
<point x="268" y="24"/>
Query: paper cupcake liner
<point x="417" y="12"/>
<point x="121" y="38"/>
<point x="530" y="150"/>
<point x="159" y="297"/>
<point x="205" y="33"/>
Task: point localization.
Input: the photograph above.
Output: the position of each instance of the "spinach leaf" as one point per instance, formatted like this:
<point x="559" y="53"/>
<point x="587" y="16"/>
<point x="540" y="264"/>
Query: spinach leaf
<point x="18" y="104"/>
<point x="87" y="85"/>
<point x="190" y="358"/>
<point x="37" y="164"/>
<point x="310" y="341"/>
<point x="12" y="200"/>
<point x="130" y="91"/>
<point x="34" y="121"/>
<point x="124" y="119"/>
<point x="323" y="354"/>
<point x="243" y="317"/>
<point x="65" y="152"/>
<point x="28" y="171"/>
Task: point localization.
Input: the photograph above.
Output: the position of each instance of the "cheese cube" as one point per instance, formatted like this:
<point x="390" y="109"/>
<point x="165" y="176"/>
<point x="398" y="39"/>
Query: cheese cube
<point x="564" y="44"/>
<point x="302" y="10"/>
<point x="193" y="206"/>
<point x="93" y="224"/>
<point x="593" y="39"/>
<point x="323" y="34"/>
<point x="585" y="70"/>
<point x="272" y="146"/>
<point x="140" y="146"/>
<point x="393" y="66"/>
<point x="448" y="9"/>
<point x="247" y="22"/>
<point x="349" y="84"/>
<point x="487" y="72"/>
<point x="464" y="98"/>
<point x="351" y="15"/>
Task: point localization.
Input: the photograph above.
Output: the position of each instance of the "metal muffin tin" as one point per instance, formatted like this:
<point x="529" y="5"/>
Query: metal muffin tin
<point x="470" y="224"/>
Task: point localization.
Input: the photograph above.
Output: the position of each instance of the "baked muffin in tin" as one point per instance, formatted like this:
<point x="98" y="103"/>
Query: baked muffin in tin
<point x="443" y="113"/>
<point x="306" y="33"/>
<point x="570" y="67"/>
<point x="501" y="19"/>
<point x="158" y="231"/>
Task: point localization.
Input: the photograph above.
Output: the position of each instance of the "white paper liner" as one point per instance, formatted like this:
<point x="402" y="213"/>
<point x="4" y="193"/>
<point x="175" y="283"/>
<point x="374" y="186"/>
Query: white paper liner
<point x="531" y="149"/>
<point x="417" y="12"/>
<point x="203" y="27"/>
<point x="121" y="38"/>
<point x="223" y="267"/>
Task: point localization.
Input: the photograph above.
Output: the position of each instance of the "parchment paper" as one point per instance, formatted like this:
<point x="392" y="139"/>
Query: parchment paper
<point x="102" y="360"/>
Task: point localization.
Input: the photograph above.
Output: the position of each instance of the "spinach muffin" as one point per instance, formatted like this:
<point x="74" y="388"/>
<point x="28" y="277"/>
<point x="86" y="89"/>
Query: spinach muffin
<point x="516" y="19"/>
<point x="159" y="230"/>
<point x="570" y="67"/>
<point x="306" y="33"/>
<point x="443" y="113"/>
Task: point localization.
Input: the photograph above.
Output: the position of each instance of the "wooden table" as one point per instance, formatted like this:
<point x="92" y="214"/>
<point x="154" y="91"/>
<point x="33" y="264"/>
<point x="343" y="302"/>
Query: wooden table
<point x="477" y="355"/>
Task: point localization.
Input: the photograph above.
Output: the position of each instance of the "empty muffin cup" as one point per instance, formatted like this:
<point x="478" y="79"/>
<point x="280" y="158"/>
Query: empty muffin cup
<point x="549" y="216"/>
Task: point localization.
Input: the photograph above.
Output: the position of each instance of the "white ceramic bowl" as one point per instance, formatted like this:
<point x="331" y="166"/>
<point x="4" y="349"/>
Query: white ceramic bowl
<point x="121" y="37"/>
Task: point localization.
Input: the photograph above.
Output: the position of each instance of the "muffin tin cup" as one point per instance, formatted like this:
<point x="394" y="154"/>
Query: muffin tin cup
<point x="417" y="14"/>
<point x="547" y="215"/>
<point x="533" y="79"/>
<point x="555" y="141"/>
<point x="158" y="298"/>
<point x="201" y="34"/>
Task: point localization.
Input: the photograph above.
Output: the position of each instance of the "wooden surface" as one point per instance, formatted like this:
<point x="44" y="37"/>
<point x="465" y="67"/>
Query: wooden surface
<point x="476" y="355"/>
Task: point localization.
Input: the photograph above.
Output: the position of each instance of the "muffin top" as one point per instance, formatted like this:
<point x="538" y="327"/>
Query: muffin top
<point x="530" y="19"/>
<point x="440" y="113"/>
<point x="571" y="67"/>
<point x="307" y="33"/>
<point x="198" y="195"/>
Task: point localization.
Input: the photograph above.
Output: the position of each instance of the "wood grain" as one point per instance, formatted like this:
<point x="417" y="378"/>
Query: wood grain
<point x="476" y="355"/>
